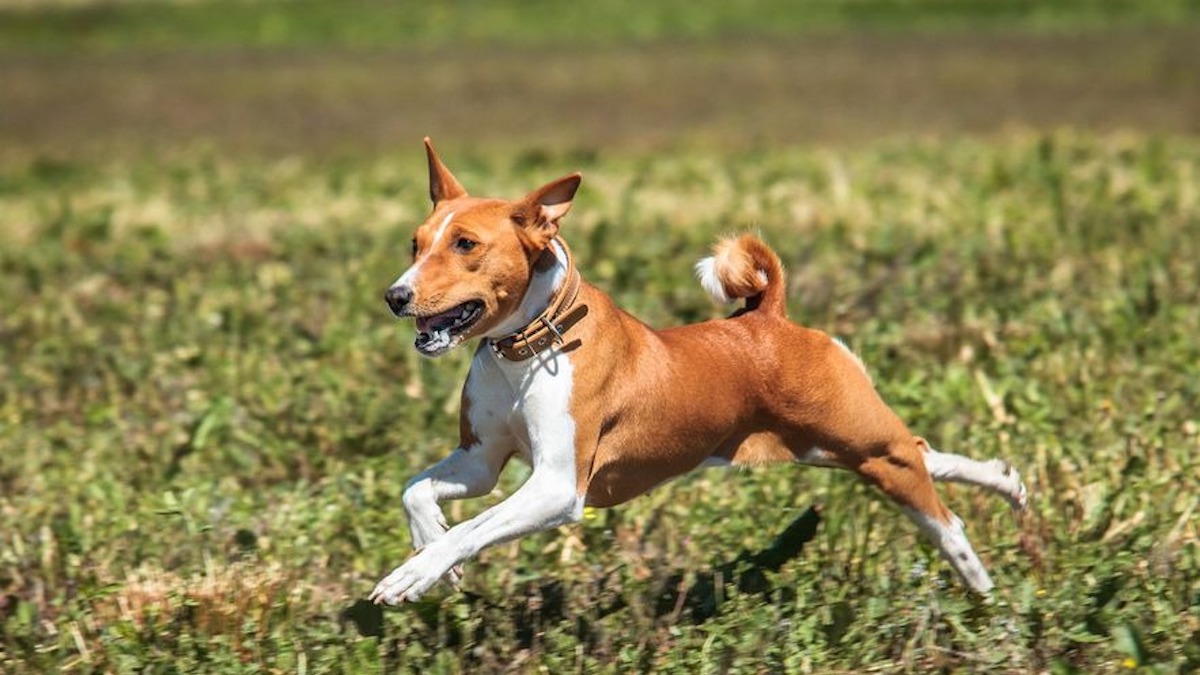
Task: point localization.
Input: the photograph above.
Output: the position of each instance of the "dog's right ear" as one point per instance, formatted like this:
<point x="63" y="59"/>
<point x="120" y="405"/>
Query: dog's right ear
<point x="442" y="184"/>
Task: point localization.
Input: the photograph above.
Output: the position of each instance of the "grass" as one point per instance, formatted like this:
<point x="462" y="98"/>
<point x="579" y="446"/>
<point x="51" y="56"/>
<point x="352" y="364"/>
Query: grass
<point x="99" y="27"/>
<point x="206" y="416"/>
<point x="584" y="76"/>
<point x="835" y="90"/>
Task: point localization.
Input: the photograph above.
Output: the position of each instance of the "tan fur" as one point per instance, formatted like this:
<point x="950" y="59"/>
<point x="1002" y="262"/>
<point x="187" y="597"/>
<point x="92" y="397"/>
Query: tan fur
<point x="497" y="280"/>
<point x="653" y="404"/>
<point x="753" y="388"/>
<point x="649" y="405"/>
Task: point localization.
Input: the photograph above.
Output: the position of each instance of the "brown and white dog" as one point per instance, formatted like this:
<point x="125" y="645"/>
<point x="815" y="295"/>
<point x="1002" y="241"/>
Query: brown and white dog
<point x="605" y="408"/>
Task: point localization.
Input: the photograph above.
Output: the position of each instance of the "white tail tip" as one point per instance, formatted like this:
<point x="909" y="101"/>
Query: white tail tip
<point x="707" y="274"/>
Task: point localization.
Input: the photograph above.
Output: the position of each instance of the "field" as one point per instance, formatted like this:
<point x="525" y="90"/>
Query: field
<point x="207" y="415"/>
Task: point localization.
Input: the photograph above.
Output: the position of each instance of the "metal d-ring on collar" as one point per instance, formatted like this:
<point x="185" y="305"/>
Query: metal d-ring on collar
<point x="548" y="329"/>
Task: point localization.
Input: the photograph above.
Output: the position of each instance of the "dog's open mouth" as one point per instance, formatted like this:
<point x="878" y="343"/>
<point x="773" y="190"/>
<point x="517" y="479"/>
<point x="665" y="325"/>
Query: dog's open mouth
<point x="439" y="332"/>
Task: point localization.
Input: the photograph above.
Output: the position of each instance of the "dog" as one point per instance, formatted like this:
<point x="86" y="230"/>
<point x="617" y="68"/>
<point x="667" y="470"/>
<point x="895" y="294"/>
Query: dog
<point x="605" y="408"/>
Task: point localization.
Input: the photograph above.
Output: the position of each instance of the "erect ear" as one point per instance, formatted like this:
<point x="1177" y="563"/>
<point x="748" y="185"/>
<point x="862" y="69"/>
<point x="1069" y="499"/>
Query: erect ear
<point x="442" y="184"/>
<point x="539" y="212"/>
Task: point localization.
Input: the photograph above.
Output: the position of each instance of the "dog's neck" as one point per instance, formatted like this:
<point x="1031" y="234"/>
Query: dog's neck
<point x="544" y="285"/>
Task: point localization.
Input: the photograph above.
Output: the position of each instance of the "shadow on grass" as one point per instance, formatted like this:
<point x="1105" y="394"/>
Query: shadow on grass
<point x="702" y="599"/>
<point x="696" y="602"/>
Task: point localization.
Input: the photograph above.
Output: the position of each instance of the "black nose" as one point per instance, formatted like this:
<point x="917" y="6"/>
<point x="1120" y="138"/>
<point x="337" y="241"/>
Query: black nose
<point x="397" y="298"/>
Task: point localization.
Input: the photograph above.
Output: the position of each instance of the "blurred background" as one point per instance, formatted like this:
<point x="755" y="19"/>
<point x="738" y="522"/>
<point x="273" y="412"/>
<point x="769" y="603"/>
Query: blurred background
<point x="318" y="76"/>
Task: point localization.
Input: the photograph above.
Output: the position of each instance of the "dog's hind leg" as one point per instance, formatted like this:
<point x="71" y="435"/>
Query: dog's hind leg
<point x="951" y="541"/>
<point x="900" y="473"/>
<point x="898" y="469"/>
<point x="995" y="475"/>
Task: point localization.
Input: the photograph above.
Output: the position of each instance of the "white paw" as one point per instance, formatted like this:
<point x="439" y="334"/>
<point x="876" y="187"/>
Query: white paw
<point x="1018" y="497"/>
<point x="411" y="580"/>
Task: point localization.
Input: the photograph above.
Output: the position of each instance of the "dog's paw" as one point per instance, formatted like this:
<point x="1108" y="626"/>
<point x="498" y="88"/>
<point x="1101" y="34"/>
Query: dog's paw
<point x="411" y="580"/>
<point x="1018" y="496"/>
<point x="1021" y="501"/>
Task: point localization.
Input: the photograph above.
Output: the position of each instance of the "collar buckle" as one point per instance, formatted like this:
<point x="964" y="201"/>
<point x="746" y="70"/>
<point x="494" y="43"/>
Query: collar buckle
<point x="558" y="336"/>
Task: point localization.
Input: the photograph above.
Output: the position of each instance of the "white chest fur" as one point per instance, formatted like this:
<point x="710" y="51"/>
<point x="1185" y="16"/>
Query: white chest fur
<point x="530" y="404"/>
<point x="538" y="407"/>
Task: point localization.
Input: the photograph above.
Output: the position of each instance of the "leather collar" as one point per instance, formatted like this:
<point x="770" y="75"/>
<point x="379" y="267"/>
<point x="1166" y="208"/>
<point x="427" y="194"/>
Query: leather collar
<point x="550" y="327"/>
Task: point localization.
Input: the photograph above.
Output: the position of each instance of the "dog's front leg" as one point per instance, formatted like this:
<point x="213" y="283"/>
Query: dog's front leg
<point x="548" y="499"/>
<point x="467" y="472"/>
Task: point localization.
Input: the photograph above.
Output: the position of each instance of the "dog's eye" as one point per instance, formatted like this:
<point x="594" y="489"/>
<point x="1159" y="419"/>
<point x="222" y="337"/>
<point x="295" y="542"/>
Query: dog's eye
<point x="414" y="247"/>
<point x="464" y="245"/>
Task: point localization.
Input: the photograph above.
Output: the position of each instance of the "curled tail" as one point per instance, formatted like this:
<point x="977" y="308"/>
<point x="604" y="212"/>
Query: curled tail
<point x="744" y="267"/>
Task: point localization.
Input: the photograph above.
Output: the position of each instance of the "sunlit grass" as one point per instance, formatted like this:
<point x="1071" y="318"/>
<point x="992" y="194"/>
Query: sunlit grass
<point x="206" y="414"/>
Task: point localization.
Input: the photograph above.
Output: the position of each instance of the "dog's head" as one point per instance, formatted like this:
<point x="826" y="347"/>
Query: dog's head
<point x="473" y="259"/>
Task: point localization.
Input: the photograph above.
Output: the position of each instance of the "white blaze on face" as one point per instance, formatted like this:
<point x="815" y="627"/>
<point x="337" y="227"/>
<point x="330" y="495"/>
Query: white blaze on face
<point x="409" y="278"/>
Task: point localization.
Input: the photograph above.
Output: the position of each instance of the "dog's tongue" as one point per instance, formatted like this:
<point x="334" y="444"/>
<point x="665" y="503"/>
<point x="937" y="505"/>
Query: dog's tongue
<point x="428" y="324"/>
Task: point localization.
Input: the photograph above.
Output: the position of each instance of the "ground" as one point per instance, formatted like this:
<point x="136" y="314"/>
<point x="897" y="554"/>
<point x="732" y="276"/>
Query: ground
<point x="207" y="414"/>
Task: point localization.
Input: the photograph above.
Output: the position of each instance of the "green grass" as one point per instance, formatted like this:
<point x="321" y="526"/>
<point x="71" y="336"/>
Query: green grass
<point x="324" y="77"/>
<point x="207" y="415"/>
<point x="373" y="24"/>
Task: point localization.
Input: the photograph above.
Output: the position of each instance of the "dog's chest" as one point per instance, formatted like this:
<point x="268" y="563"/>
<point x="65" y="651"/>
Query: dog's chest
<point x="525" y="402"/>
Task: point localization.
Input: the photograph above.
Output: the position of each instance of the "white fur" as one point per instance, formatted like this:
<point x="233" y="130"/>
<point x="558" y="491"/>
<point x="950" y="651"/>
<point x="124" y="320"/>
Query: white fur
<point x="951" y="542"/>
<point x="706" y="273"/>
<point x="467" y="472"/>
<point x="526" y="402"/>
<point x="409" y="278"/>
<point x="995" y="475"/>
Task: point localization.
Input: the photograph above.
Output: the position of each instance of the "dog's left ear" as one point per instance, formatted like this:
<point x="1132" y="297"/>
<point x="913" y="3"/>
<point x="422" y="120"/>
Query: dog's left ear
<point x="539" y="212"/>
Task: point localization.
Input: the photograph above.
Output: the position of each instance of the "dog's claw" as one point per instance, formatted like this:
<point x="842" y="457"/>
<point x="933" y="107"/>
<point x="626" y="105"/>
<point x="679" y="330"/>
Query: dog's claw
<point x="455" y="577"/>
<point x="408" y="582"/>
<point x="1019" y="499"/>
<point x="1022" y="501"/>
